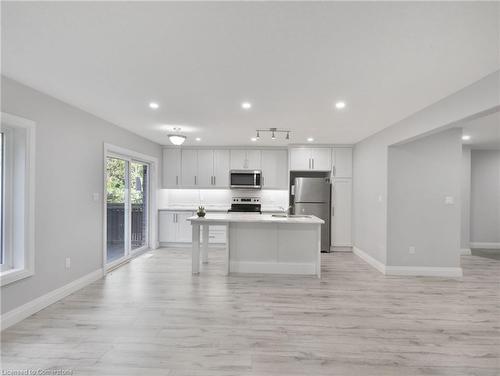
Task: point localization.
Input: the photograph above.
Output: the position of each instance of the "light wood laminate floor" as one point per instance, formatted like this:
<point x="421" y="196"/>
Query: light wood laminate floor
<point x="152" y="317"/>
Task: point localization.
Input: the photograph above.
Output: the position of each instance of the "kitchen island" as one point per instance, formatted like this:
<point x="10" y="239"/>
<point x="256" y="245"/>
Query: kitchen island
<point x="262" y="243"/>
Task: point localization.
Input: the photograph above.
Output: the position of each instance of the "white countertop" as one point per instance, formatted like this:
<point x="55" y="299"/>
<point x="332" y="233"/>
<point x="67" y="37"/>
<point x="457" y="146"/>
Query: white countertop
<point x="216" y="208"/>
<point x="252" y="218"/>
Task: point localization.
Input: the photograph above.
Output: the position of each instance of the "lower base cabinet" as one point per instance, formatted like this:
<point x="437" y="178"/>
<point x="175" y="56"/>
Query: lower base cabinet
<point x="173" y="228"/>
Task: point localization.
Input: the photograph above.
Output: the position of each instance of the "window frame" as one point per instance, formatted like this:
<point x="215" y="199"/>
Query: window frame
<point x="7" y="167"/>
<point x="23" y="258"/>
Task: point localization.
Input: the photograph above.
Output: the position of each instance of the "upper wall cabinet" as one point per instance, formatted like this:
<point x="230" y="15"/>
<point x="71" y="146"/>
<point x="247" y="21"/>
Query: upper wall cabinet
<point x="310" y="159"/>
<point x="171" y="168"/>
<point x="243" y="159"/>
<point x="221" y="168"/>
<point x="189" y="168"/>
<point x="205" y="168"/>
<point x="274" y="169"/>
<point x="342" y="162"/>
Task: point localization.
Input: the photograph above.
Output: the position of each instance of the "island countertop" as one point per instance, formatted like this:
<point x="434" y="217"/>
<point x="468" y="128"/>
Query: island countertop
<point x="212" y="218"/>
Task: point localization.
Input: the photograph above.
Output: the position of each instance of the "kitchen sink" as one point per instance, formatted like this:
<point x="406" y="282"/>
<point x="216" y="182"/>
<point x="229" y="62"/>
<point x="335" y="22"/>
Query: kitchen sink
<point x="291" y="216"/>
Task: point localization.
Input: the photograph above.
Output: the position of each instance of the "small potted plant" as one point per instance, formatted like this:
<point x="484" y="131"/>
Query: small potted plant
<point x="201" y="211"/>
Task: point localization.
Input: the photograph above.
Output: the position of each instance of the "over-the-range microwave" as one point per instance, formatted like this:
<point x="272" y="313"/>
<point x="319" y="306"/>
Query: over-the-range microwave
<point x="245" y="179"/>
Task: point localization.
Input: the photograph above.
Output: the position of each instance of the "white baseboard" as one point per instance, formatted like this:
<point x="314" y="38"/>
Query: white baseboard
<point x="485" y="245"/>
<point x="369" y="259"/>
<point x="430" y="271"/>
<point x="424" y="271"/>
<point x="273" y="268"/>
<point x="338" y="248"/>
<point x="465" y="252"/>
<point x="20" y="313"/>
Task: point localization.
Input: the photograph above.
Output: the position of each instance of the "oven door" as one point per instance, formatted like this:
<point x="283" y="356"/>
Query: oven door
<point x="245" y="179"/>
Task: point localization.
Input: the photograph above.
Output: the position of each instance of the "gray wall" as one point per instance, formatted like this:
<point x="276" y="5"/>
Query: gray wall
<point x="465" y="201"/>
<point x="371" y="158"/>
<point x="69" y="169"/>
<point x="421" y="174"/>
<point x="485" y="196"/>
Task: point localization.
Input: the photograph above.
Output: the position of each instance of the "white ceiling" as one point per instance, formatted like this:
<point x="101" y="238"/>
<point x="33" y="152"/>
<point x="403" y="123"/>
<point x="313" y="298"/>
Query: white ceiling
<point x="484" y="132"/>
<point x="292" y="60"/>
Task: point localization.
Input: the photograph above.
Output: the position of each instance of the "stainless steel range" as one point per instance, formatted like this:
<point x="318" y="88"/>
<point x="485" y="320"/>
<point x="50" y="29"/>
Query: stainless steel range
<point x="245" y="204"/>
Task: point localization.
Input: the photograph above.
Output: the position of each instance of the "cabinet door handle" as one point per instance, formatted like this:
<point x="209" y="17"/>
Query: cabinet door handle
<point x="177" y="180"/>
<point x="313" y="163"/>
<point x="309" y="163"/>
<point x="215" y="180"/>
<point x="195" y="180"/>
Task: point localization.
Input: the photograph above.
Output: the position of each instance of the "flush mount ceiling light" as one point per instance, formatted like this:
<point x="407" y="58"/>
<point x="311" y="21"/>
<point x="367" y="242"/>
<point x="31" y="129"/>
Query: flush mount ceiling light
<point x="198" y="139"/>
<point x="176" y="138"/>
<point x="273" y="132"/>
<point x="154" y="105"/>
<point x="466" y="137"/>
<point x="246" y="105"/>
<point x="253" y="139"/>
<point x="340" y="105"/>
<point x="310" y="139"/>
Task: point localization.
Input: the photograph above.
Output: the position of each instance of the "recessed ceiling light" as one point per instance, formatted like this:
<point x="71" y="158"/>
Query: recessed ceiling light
<point x="310" y="139"/>
<point x="154" y="105"/>
<point x="253" y="139"/>
<point x="340" y="105"/>
<point x="246" y="105"/>
<point x="198" y="139"/>
<point x="465" y="137"/>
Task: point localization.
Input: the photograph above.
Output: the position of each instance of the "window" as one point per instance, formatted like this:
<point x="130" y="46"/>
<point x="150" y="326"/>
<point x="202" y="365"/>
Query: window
<point x="17" y="173"/>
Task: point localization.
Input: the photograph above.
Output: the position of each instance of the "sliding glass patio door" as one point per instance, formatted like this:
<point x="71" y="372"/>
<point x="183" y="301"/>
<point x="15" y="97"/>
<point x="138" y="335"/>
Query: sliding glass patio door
<point x="127" y="208"/>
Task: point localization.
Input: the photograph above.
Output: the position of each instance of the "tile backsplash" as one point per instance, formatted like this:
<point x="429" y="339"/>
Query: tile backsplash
<point x="219" y="196"/>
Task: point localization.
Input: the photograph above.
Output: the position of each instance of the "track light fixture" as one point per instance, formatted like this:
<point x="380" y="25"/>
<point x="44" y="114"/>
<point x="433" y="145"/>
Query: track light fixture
<point x="273" y="132"/>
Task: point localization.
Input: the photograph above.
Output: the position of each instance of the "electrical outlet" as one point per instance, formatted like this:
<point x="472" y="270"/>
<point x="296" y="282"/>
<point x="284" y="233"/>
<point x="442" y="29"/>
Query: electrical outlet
<point x="449" y="200"/>
<point x="95" y="196"/>
<point x="411" y="250"/>
<point x="379" y="198"/>
<point x="68" y="262"/>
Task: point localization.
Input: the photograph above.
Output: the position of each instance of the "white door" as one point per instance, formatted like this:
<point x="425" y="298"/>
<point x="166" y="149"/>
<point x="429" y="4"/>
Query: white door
<point x="205" y="168"/>
<point x="184" y="230"/>
<point x="342" y="162"/>
<point x="321" y="159"/>
<point x="253" y="159"/>
<point x="238" y="159"/>
<point x="171" y="168"/>
<point x="341" y="218"/>
<point x="167" y="227"/>
<point x="189" y="163"/>
<point x="221" y="168"/>
<point x="300" y="159"/>
<point x="274" y="168"/>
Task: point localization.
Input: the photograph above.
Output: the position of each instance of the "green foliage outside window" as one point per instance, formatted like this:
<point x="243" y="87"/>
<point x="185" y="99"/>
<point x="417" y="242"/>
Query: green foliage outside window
<point x="116" y="181"/>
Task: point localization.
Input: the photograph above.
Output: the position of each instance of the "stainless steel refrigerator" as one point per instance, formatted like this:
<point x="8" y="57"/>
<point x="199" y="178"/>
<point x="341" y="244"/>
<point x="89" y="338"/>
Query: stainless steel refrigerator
<point x="312" y="196"/>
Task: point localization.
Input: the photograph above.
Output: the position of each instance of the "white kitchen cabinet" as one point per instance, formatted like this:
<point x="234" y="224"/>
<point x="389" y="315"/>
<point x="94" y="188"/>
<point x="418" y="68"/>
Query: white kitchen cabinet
<point x="300" y="159"/>
<point x="167" y="227"/>
<point x="342" y="162"/>
<point x="245" y="159"/>
<point x="310" y="159"/>
<point x="274" y="169"/>
<point x="341" y="213"/>
<point x="205" y="170"/>
<point x="171" y="168"/>
<point x="184" y="232"/>
<point x="174" y="227"/>
<point x="321" y="159"/>
<point x="189" y="167"/>
<point x="221" y="168"/>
